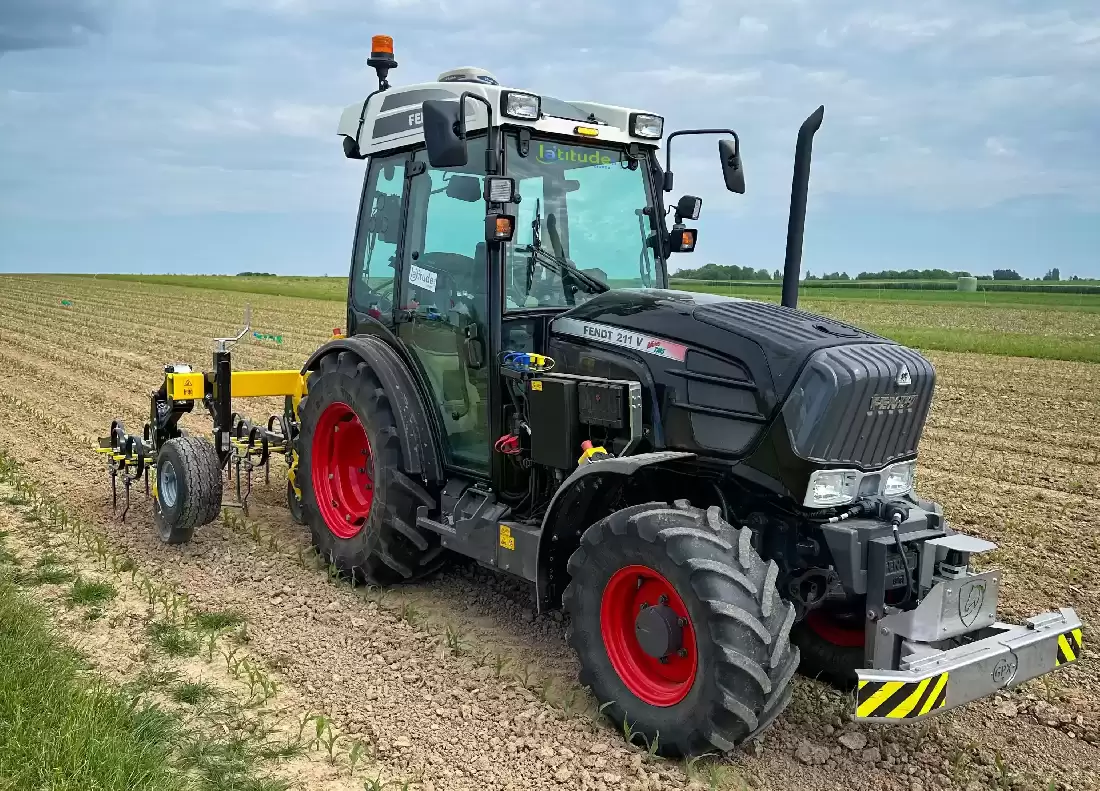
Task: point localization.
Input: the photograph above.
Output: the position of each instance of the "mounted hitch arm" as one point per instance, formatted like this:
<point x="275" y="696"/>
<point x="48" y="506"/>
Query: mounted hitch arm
<point x="951" y="649"/>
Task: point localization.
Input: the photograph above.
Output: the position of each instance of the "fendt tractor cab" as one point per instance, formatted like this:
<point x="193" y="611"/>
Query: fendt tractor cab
<point x="717" y="491"/>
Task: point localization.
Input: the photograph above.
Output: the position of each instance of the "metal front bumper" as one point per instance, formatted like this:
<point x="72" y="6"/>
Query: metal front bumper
<point x="935" y="681"/>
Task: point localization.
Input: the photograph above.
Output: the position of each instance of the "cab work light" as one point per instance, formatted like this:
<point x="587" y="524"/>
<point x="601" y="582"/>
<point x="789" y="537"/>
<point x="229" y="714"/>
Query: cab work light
<point x="648" y="126"/>
<point x="516" y="104"/>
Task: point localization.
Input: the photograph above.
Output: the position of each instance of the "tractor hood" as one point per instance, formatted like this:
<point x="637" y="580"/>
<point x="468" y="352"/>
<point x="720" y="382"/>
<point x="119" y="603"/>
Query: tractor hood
<point x="683" y="320"/>
<point x="724" y="374"/>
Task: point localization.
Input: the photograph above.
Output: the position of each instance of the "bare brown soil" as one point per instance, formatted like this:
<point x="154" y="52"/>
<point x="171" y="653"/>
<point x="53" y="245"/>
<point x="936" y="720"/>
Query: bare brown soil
<point x="455" y="681"/>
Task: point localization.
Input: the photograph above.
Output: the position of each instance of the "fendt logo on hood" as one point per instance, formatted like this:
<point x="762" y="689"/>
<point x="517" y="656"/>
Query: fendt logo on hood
<point x="888" y="403"/>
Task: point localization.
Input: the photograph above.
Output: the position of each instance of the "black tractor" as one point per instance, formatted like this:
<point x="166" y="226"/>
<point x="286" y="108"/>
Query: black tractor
<point x="717" y="491"/>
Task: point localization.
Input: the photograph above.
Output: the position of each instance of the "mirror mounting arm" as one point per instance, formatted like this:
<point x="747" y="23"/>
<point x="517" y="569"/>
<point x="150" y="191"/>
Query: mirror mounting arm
<point x="668" y="148"/>
<point x="491" y="149"/>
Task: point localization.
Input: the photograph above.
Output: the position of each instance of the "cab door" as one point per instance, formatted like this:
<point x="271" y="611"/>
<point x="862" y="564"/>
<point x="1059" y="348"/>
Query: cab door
<point x="377" y="240"/>
<point x="442" y="301"/>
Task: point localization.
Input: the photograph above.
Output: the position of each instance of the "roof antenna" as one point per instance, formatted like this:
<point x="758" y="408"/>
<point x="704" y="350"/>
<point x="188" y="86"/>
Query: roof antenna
<point x="381" y="58"/>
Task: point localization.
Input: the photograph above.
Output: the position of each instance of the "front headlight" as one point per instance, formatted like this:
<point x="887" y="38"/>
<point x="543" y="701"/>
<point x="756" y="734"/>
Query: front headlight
<point x="829" y="488"/>
<point x="899" y="478"/>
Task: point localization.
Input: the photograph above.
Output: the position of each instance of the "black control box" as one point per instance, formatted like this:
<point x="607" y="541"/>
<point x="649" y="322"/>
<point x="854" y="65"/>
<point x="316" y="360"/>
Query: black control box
<point x="602" y="404"/>
<point x="555" y="429"/>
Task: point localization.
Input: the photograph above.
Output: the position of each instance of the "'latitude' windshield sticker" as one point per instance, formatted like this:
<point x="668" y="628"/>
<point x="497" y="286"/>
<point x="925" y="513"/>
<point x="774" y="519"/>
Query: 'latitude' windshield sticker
<point x="617" y="336"/>
<point x="554" y="154"/>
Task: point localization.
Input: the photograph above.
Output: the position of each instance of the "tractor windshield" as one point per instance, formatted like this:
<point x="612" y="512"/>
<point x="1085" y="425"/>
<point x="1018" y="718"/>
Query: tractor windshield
<point x="580" y="226"/>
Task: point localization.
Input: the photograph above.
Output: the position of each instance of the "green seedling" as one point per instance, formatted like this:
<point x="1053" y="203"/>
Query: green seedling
<point x="328" y="741"/>
<point x="354" y="754"/>
<point x="230" y="658"/>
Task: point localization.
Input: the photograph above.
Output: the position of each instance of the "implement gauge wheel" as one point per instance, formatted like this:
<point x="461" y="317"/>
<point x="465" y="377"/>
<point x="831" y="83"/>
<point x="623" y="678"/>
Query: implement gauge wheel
<point x="359" y="503"/>
<point x="679" y="628"/>
<point x="188" y="488"/>
<point x="294" y="505"/>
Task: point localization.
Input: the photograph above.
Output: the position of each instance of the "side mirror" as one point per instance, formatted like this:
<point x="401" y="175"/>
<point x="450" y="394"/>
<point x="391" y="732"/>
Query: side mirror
<point x="445" y="148"/>
<point x="464" y="188"/>
<point x="688" y="208"/>
<point x="730" y="152"/>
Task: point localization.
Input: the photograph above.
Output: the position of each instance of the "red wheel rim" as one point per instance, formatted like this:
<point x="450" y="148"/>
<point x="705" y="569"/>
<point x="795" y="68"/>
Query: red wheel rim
<point x="343" y="470"/>
<point x="655" y="682"/>
<point x="835" y="631"/>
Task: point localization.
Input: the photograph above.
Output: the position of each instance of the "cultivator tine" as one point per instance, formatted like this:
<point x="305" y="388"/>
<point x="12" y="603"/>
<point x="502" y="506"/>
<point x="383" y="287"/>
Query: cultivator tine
<point x="114" y="490"/>
<point x="248" y="490"/>
<point x="126" y="504"/>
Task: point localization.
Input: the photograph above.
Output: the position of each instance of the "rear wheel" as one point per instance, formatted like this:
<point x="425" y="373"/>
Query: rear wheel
<point x="188" y="488"/>
<point x="359" y="503"/>
<point x="679" y="628"/>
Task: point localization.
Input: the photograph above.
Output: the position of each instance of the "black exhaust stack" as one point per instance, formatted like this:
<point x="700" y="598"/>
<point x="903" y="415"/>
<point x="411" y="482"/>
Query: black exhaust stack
<point x="796" y="224"/>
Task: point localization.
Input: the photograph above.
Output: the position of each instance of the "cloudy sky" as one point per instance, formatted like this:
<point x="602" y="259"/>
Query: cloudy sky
<point x="166" y="136"/>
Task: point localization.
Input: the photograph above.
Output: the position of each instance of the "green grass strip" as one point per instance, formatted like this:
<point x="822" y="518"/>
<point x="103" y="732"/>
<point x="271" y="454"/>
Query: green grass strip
<point x="1000" y="343"/>
<point x="60" y="728"/>
<point x="911" y="329"/>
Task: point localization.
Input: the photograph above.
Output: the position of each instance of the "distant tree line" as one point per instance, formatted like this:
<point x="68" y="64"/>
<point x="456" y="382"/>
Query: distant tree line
<point x="255" y="274"/>
<point x="746" y="273"/>
<point x="728" y="272"/>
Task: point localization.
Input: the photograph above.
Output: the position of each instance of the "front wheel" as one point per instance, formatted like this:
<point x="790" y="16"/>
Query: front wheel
<point x="679" y="628"/>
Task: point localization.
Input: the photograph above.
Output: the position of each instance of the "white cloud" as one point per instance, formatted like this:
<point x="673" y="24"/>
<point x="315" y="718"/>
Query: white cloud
<point x="305" y="120"/>
<point x="999" y="147"/>
<point x="931" y="104"/>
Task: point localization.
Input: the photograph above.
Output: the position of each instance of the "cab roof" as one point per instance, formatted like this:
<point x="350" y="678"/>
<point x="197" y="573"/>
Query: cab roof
<point x="392" y="119"/>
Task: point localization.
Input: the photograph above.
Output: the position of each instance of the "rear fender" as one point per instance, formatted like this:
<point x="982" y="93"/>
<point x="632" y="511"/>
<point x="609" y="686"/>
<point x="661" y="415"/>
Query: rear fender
<point x="568" y="516"/>
<point x="414" y="414"/>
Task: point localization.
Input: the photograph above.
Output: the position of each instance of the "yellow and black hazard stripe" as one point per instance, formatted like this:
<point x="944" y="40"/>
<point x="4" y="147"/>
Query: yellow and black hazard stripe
<point x="899" y="700"/>
<point x="1070" y="646"/>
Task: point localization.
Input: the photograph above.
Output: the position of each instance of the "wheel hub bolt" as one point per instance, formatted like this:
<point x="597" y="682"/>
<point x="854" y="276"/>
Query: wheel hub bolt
<point x="645" y="604"/>
<point x="681" y="622"/>
<point x="663" y="660"/>
<point x="682" y="653"/>
<point x="663" y="599"/>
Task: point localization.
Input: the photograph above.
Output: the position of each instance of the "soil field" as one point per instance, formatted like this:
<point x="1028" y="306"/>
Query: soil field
<point x="454" y="683"/>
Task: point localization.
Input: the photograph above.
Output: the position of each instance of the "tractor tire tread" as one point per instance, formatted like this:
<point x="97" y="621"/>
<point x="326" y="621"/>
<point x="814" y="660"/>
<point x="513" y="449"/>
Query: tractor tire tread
<point x="747" y="627"/>
<point x="200" y="488"/>
<point x="398" y="551"/>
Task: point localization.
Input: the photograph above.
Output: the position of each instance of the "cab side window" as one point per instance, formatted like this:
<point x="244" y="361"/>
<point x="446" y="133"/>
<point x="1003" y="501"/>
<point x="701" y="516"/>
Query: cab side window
<point x="375" y="260"/>
<point x="444" y="294"/>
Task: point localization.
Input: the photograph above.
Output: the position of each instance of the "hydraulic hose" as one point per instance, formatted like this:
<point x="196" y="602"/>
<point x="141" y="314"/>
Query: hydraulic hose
<point x="895" y="521"/>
